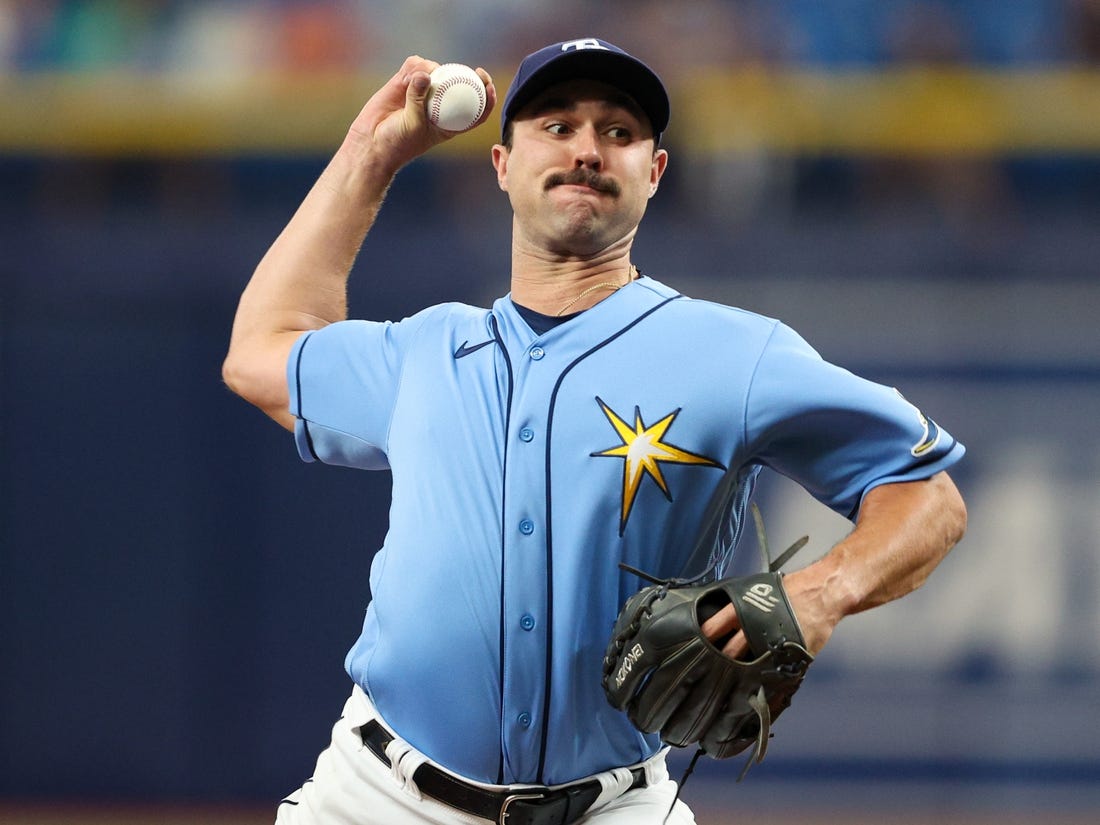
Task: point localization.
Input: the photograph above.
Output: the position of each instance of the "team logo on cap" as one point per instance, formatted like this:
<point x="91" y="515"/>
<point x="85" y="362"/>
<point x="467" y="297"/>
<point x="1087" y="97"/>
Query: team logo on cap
<point x="587" y="43"/>
<point x="643" y="450"/>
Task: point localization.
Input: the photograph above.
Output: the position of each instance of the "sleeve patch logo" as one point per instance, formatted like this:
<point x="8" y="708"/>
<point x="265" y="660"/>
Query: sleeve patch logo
<point x="643" y="450"/>
<point x="931" y="435"/>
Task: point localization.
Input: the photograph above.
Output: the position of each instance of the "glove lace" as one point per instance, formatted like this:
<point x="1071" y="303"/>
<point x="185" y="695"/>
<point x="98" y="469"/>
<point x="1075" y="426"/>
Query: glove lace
<point x="770" y="565"/>
<point x="759" y="703"/>
<point x="683" y="781"/>
<point x="665" y="584"/>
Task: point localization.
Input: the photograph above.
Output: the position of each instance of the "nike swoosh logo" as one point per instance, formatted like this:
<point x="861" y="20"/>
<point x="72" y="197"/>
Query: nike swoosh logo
<point x="465" y="350"/>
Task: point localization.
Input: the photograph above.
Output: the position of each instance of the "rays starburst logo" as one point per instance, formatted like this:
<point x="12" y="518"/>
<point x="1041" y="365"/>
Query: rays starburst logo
<point x="643" y="450"/>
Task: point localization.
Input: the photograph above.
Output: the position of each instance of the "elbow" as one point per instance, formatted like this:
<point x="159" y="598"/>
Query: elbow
<point x="953" y="511"/>
<point x="249" y="379"/>
<point x="261" y="381"/>
<point x="234" y="376"/>
<point x="960" y="521"/>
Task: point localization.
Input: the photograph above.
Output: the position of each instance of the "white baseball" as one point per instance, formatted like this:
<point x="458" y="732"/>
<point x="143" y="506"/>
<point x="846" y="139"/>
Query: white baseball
<point x="456" y="98"/>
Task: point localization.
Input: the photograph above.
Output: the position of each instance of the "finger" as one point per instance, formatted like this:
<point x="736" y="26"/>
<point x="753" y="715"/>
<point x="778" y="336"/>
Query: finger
<point x="737" y="647"/>
<point x="724" y="629"/>
<point x="416" y="63"/>
<point x="490" y="94"/>
<point x="398" y="85"/>
<point x="721" y="624"/>
<point x="393" y="96"/>
<point x="416" y="95"/>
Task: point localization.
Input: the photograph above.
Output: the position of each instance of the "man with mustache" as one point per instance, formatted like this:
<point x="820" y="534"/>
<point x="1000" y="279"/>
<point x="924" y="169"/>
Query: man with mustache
<point x="592" y="416"/>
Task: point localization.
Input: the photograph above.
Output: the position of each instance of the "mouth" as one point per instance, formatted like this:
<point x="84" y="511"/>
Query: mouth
<point x="583" y="179"/>
<point x="580" y="187"/>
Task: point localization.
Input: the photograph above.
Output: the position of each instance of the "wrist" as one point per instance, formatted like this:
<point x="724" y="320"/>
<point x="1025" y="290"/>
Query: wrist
<point x="361" y="162"/>
<point x="825" y="585"/>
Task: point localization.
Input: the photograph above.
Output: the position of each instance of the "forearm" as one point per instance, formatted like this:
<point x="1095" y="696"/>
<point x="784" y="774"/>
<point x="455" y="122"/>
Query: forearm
<point x="301" y="283"/>
<point x="902" y="533"/>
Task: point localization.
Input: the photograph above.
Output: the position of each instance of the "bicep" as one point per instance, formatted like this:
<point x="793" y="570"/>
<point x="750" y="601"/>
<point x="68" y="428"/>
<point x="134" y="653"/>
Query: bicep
<point x="835" y="433"/>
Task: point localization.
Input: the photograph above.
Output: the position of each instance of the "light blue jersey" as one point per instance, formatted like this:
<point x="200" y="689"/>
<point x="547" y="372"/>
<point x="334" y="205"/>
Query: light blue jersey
<point x="526" y="467"/>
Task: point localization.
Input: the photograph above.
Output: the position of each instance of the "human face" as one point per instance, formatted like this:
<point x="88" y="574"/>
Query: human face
<point x="580" y="170"/>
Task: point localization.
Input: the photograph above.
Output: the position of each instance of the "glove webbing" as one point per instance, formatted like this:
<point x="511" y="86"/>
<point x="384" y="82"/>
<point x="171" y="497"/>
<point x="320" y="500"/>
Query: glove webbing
<point x="758" y="702"/>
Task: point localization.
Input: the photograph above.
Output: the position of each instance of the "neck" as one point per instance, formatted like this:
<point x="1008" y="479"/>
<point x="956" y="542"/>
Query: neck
<point x="561" y="288"/>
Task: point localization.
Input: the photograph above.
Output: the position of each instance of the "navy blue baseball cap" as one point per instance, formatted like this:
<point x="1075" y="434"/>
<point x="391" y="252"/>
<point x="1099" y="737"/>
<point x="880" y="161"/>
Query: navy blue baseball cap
<point x="591" y="59"/>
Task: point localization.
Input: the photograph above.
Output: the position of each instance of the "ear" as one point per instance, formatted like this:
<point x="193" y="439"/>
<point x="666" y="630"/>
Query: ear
<point x="500" y="163"/>
<point x="657" y="170"/>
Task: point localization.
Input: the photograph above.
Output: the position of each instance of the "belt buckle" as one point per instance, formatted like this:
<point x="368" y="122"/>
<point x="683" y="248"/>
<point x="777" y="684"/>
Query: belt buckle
<point x="516" y="797"/>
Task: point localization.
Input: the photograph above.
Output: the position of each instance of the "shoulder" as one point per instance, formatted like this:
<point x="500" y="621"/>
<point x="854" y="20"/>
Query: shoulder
<point x="360" y="338"/>
<point x="710" y="316"/>
<point x="438" y="318"/>
<point x="451" y="313"/>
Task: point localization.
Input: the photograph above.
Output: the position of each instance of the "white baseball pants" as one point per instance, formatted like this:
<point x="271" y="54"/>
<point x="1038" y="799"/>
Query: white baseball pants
<point x="352" y="786"/>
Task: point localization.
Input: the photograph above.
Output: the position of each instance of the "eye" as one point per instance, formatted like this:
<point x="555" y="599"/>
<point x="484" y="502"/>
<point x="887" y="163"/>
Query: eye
<point x="557" y="128"/>
<point x="619" y="133"/>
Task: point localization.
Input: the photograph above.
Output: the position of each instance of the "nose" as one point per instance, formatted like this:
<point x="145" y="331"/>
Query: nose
<point x="586" y="149"/>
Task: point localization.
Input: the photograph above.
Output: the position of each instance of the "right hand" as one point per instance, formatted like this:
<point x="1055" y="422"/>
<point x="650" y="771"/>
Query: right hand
<point x="394" y="124"/>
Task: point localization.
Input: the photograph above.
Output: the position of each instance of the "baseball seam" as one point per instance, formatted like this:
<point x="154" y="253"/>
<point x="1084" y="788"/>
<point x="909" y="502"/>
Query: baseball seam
<point x="438" y="94"/>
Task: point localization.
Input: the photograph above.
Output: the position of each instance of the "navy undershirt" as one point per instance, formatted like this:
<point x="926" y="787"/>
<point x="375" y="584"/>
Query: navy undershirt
<point x="539" y="323"/>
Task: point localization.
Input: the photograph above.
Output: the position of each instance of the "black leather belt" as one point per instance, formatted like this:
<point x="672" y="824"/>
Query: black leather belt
<point x="524" y="806"/>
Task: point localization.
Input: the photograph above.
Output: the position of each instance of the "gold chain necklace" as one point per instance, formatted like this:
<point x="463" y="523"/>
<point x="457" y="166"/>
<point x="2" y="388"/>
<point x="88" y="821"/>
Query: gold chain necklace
<point x="612" y="285"/>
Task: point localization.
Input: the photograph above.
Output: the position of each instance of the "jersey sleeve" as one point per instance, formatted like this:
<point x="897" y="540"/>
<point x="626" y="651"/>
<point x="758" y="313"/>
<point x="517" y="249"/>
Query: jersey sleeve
<point x="343" y="381"/>
<point x="836" y="434"/>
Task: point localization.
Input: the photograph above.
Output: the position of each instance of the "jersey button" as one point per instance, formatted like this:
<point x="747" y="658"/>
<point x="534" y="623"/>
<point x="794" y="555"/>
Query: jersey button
<point x="524" y="720"/>
<point x="527" y="527"/>
<point x="526" y="434"/>
<point x="527" y="621"/>
<point x="537" y="353"/>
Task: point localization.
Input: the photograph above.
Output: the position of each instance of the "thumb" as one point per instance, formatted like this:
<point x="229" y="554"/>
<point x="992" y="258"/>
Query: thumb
<point x="416" y="95"/>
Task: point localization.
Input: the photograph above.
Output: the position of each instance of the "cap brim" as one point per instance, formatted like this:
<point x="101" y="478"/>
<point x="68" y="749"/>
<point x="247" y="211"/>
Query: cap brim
<point x="626" y="73"/>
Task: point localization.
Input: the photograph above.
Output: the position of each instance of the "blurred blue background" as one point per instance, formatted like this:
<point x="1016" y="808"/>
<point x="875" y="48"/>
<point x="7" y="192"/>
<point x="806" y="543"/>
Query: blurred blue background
<point x="915" y="186"/>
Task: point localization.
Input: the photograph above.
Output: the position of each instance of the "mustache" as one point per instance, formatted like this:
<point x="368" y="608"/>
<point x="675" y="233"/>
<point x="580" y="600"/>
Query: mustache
<point x="583" y="177"/>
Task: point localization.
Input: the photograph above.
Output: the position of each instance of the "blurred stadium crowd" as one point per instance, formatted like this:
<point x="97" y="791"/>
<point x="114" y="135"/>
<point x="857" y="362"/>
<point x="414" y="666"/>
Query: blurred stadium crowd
<point x="918" y="125"/>
<point x="353" y="35"/>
